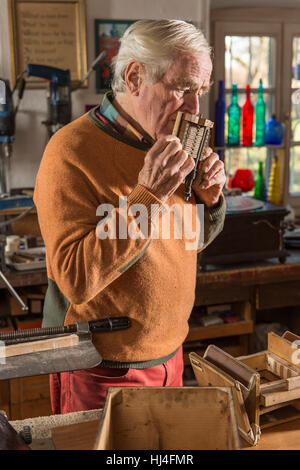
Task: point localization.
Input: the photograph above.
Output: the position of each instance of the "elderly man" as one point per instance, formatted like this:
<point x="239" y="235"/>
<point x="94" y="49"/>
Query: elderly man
<point x="123" y="150"/>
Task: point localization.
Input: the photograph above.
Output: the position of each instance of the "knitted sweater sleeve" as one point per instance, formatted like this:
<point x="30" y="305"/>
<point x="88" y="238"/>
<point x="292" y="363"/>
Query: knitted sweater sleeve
<point x="81" y="259"/>
<point x="213" y="222"/>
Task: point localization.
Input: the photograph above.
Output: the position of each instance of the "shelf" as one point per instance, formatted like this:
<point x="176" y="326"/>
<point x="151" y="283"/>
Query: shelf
<point x="198" y="333"/>
<point x="226" y="147"/>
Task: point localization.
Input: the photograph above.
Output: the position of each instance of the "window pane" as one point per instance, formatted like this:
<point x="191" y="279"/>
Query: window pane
<point x="247" y="157"/>
<point x="249" y="58"/>
<point x="295" y="118"/>
<point x="295" y="170"/>
<point x="296" y="62"/>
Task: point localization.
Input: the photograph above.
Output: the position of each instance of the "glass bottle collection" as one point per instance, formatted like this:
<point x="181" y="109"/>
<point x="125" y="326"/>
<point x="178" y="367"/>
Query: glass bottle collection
<point x="240" y="121"/>
<point x="266" y="133"/>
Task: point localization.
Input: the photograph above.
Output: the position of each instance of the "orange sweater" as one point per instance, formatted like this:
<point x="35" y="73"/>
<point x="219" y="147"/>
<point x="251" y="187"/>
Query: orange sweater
<point x="152" y="281"/>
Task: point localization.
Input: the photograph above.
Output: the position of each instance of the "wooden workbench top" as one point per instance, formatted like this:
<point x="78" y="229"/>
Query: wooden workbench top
<point x="25" y="278"/>
<point x="260" y="272"/>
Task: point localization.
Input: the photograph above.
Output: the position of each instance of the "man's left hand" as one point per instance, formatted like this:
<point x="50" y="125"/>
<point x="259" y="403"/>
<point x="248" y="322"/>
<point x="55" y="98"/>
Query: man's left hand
<point x="211" y="175"/>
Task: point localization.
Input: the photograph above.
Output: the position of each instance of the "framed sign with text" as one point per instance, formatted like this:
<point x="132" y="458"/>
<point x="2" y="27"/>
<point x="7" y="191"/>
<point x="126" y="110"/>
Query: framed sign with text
<point x="50" y="33"/>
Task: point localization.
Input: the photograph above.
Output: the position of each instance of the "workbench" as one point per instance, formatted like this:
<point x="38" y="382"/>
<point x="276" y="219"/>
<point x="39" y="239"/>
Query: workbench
<point x="52" y="433"/>
<point x="251" y="289"/>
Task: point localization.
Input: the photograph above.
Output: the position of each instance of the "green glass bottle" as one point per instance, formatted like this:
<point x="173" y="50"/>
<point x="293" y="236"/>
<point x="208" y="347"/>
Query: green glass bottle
<point x="234" y="116"/>
<point x="260" y="185"/>
<point x="260" y="117"/>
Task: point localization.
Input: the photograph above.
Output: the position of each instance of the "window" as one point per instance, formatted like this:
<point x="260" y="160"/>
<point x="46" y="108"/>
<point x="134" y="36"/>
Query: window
<point x="294" y="181"/>
<point x="265" y="46"/>
<point x="247" y="60"/>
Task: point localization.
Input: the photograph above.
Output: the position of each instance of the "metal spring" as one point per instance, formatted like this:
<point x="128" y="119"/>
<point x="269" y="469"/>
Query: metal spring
<point x="56" y="330"/>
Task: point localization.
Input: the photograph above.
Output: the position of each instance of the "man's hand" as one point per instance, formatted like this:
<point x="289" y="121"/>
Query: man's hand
<point x="211" y="175"/>
<point x="165" y="167"/>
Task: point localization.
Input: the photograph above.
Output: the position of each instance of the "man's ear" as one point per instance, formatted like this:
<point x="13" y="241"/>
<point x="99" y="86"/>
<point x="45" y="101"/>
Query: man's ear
<point x="134" y="76"/>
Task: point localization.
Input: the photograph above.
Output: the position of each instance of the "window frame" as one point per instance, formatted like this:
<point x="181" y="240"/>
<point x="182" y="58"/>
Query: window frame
<point x="282" y="24"/>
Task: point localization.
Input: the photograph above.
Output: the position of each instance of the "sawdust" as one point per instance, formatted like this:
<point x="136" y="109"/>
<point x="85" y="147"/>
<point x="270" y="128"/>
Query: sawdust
<point x="42" y="425"/>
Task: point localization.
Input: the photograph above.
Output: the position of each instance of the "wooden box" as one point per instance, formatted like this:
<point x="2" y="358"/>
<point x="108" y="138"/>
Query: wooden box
<point x="266" y="385"/>
<point x="246" y="237"/>
<point x="160" y="418"/>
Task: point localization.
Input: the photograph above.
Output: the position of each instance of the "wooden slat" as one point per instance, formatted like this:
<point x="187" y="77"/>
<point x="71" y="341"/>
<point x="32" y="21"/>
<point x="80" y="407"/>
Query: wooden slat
<point x="267" y="409"/>
<point x="282" y="347"/>
<point x="257" y="361"/>
<point x="208" y="374"/>
<point x="35" y="346"/>
<point x="219" y="331"/>
<point x="274" y="397"/>
<point x="268" y="386"/>
<point x="79" y="436"/>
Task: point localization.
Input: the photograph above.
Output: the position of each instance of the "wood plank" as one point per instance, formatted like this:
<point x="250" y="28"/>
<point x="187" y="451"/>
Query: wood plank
<point x="257" y="361"/>
<point x="267" y="409"/>
<point x="217" y="294"/>
<point x="270" y="15"/>
<point x="281" y="367"/>
<point x="29" y="389"/>
<point x="219" y="331"/>
<point x="274" y="397"/>
<point x="145" y="418"/>
<point x="281" y="294"/>
<point x="42" y="345"/>
<point x="293" y="382"/>
<point x="31" y="409"/>
<point x="80" y="436"/>
<point x="209" y="375"/>
<point x="281" y="347"/>
<point x="267" y="376"/>
<point x="280" y="437"/>
<point x="248" y="276"/>
<point x="269" y="386"/>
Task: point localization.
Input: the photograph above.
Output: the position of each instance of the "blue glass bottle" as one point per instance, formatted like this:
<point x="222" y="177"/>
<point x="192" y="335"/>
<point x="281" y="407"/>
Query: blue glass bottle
<point x="220" y="108"/>
<point x="274" y="131"/>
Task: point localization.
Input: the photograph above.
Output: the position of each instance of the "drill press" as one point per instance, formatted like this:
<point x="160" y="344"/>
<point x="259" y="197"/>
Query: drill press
<point x="7" y="130"/>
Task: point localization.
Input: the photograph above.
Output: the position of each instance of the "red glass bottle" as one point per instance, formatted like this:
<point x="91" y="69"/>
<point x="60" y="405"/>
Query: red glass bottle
<point x="247" y="119"/>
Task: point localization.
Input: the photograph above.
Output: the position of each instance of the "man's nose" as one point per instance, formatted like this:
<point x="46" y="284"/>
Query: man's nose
<point x="191" y="103"/>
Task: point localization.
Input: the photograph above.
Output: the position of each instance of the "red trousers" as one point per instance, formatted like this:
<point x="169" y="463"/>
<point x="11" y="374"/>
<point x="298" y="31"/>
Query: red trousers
<point x="82" y="390"/>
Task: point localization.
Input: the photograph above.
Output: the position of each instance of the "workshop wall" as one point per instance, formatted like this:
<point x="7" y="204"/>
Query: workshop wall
<point x="31" y="135"/>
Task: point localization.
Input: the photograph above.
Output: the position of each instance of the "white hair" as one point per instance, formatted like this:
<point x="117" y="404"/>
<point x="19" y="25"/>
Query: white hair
<point x="155" y="44"/>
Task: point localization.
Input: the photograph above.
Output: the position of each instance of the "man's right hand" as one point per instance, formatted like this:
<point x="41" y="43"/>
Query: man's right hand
<point x="165" y="167"/>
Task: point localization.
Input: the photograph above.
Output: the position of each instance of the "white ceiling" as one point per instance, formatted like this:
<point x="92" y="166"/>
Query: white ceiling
<point x="254" y="3"/>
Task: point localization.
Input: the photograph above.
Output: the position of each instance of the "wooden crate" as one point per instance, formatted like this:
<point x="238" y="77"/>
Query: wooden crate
<point x="160" y="418"/>
<point x="266" y="385"/>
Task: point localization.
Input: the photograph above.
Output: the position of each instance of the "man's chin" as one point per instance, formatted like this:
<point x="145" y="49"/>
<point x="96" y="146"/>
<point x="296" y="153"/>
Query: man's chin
<point x="167" y="130"/>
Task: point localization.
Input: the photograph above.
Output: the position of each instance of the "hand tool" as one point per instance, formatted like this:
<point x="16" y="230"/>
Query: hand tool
<point x="55" y="349"/>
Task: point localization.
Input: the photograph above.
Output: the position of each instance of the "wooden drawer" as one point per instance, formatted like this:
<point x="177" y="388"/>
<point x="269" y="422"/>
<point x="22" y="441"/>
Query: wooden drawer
<point x="283" y="294"/>
<point x="221" y="295"/>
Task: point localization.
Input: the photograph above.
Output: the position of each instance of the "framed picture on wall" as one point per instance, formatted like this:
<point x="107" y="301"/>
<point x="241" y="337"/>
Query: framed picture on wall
<point x="107" y="37"/>
<point x="50" y="33"/>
